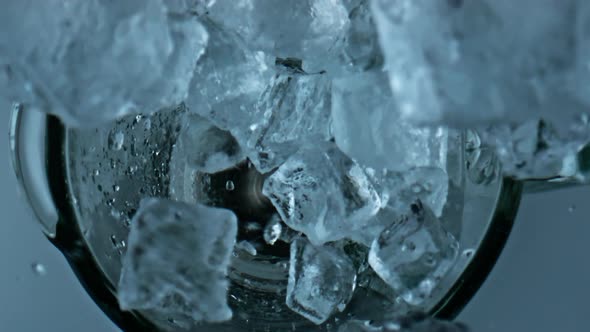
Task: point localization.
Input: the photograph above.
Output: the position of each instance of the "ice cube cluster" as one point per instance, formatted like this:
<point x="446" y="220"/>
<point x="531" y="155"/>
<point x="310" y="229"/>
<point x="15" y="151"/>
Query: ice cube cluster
<point x="353" y="111"/>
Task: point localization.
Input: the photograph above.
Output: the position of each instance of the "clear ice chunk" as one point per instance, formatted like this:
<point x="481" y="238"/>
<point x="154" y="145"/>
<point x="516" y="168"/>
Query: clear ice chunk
<point x="306" y="29"/>
<point x="206" y="147"/>
<point x="228" y="81"/>
<point x="465" y="62"/>
<point x="293" y="110"/>
<point x="321" y="192"/>
<point x="413" y="254"/>
<point x="138" y="58"/>
<point x="177" y="259"/>
<point x="367" y="127"/>
<point x="398" y="191"/>
<point x="321" y="281"/>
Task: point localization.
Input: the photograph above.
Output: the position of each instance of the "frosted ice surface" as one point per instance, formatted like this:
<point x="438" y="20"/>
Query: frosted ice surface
<point x="306" y="29"/>
<point x="159" y="275"/>
<point x="321" y="192"/>
<point x="228" y="81"/>
<point x="367" y="127"/>
<point x="413" y="254"/>
<point x="465" y="62"/>
<point x="138" y="57"/>
<point x="293" y="110"/>
<point x="206" y="147"/>
<point x="321" y="281"/>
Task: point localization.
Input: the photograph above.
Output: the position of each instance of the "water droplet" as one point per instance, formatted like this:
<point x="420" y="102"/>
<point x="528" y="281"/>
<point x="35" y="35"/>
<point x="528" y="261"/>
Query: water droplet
<point x="39" y="269"/>
<point x="133" y="169"/>
<point x="430" y="260"/>
<point x="116" y="140"/>
<point x="229" y="185"/>
<point x="118" y="245"/>
<point x="572" y="208"/>
<point x="115" y="214"/>
<point x="116" y="188"/>
<point x="468" y="253"/>
<point x="96" y="172"/>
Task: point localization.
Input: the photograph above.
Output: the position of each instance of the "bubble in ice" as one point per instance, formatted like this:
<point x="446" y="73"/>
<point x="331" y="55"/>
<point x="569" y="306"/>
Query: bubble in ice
<point x="229" y="185"/>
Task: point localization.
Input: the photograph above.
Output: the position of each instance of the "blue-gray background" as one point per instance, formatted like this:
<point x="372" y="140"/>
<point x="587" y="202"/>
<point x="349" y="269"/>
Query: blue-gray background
<point x="541" y="282"/>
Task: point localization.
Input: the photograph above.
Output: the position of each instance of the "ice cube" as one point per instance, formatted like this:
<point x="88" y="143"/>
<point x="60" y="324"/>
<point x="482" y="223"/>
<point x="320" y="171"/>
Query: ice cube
<point x="228" y="80"/>
<point x="398" y="191"/>
<point x="368" y="128"/>
<point x="177" y="259"/>
<point x="138" y="57"/>
<point x="206" y="147"/>
<point x="465" y="62"/>
<point x="292" y="111"/>
<point x="429" y="184"/>
<point x="305" y="29"/>
<point x="413" y="254"/>
<point x="321" y="281"/>
<point x="321" y="192"/>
